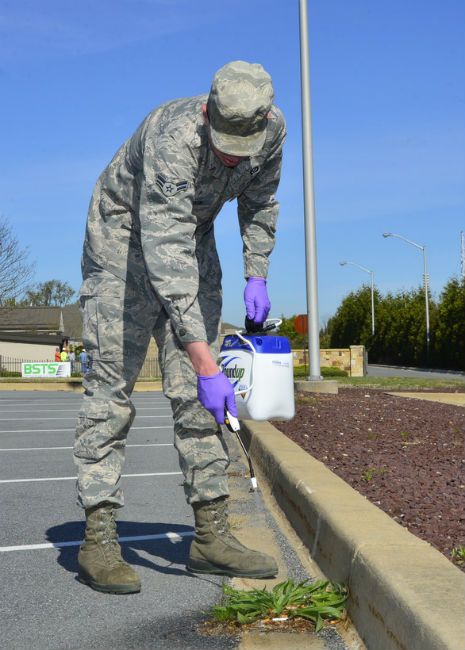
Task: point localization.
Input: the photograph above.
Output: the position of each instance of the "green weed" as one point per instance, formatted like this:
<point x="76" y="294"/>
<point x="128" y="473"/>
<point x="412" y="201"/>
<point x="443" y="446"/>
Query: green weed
<point x="317" y="601"/>
<point x="368" y="474"/>
<point x="308" y="400"/>
<point x="458" y="554"/>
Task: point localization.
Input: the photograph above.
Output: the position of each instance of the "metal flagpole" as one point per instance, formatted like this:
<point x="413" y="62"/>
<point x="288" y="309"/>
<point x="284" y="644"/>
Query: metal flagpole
<point x="309" y="201"/>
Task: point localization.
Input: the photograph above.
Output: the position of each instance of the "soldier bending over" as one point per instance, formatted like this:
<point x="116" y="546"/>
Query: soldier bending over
<point x="150" y="267"/>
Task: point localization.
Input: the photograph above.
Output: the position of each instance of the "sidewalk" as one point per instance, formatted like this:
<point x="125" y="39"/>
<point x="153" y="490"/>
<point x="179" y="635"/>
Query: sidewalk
<point x="456" y="399"/>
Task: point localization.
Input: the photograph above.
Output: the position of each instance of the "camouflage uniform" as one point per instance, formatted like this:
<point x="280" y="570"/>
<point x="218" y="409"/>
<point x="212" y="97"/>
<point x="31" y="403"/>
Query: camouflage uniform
<point x="150" y="266"/>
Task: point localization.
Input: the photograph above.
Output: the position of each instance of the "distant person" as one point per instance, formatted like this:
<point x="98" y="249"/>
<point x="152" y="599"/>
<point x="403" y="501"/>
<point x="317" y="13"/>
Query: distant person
<point x="64" y="355"/>
<point x="57" y="355"/>
<point x="72" y="359"/>
<point x="84" y="359"/>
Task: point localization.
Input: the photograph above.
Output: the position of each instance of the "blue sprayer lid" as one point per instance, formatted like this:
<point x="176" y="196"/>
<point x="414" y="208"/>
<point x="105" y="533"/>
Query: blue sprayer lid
<point x="262" y="344"/>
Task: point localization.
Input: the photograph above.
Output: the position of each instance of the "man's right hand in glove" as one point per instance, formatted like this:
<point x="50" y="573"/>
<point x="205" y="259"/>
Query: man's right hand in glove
<point x="214" y="391"/>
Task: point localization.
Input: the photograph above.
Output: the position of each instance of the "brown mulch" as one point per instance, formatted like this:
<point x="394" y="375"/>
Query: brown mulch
<point x="406" y="456"/>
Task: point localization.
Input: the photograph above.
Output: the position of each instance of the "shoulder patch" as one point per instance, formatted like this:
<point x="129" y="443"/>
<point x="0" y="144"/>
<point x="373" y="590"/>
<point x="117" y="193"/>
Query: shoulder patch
<point x="170" y="188"/>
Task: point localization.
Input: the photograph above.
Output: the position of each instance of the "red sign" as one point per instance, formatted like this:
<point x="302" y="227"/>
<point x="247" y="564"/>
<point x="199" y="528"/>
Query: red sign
<point x="301" y="324"/>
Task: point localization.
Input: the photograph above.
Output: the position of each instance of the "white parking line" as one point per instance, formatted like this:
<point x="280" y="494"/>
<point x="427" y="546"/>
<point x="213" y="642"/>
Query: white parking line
<point x="73" y="402"/>
<point x="140" y="417"/>
<point x="77" y="399"/>
<point x="42" y="403"/>
<point x="73" y="478"/>
<point x="143" y="408"/>
<point x="152" y="444"/>
<point x="73" y="430"/>
<point x="174" y="538"/>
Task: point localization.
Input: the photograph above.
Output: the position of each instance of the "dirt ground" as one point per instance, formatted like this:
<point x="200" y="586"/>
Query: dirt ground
<point x="407" y="456"/>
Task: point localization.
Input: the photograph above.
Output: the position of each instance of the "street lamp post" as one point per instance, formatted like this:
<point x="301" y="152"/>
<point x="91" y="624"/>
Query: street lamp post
<point x="372" y="276"/>
<point x="425" y="276"/>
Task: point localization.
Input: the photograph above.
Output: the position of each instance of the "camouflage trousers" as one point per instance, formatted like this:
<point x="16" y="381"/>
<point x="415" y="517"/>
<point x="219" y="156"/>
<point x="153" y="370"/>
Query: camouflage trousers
<point x="119" y="317"/>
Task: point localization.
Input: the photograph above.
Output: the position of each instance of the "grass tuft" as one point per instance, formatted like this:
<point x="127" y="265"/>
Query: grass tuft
<point x="368" y="474"/>
<point x="405" y="435"/>
<point x="317" y="602"/>
<point x="458" y="555"/>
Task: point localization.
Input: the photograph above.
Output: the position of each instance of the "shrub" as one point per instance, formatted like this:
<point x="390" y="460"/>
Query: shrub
<point x="9" y="373"/>
<point x="326" y="371"/>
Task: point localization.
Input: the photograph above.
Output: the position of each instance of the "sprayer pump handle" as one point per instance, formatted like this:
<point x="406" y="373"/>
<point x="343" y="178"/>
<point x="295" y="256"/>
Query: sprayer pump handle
<point x="257" y="328"/>
<point x="252" y="327"/>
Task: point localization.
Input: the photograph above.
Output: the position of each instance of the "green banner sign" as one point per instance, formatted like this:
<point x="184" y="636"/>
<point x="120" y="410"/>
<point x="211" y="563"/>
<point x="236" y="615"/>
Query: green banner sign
<point x="46" y="369"/>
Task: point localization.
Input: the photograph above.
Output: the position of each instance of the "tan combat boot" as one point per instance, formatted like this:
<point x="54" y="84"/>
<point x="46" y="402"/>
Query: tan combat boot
<point x="215" y="550"/>
<point x="100" y="563"/>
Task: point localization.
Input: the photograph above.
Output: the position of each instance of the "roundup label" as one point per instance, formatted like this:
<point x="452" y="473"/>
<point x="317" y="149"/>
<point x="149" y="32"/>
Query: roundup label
<point x="237" y="369"/>
<point x="46" y="369"/>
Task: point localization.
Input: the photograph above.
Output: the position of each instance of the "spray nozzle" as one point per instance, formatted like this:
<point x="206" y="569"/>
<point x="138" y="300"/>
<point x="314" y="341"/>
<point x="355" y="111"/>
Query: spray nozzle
<point x="231" y="422"/>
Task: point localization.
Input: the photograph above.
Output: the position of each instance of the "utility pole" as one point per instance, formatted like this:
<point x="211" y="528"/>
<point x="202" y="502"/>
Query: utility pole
<point x="422" y="248"/>
<point x="462" y="254"/>
<point x="372" y="277"/>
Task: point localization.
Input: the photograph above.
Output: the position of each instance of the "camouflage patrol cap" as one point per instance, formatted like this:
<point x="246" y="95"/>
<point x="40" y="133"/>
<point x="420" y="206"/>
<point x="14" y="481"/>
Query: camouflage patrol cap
<point x="240" y="99"/>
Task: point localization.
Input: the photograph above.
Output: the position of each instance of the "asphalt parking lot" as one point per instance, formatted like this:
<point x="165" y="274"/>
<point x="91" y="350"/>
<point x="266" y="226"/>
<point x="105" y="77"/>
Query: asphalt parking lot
<point x="42" y="605"/>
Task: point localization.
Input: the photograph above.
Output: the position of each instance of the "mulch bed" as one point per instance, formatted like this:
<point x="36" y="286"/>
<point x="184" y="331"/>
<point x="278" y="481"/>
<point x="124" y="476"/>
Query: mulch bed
<point x="405" y="455"/>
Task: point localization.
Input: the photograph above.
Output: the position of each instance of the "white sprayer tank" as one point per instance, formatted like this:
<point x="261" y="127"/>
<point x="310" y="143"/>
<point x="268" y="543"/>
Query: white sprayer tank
<point x="260" y="368"/>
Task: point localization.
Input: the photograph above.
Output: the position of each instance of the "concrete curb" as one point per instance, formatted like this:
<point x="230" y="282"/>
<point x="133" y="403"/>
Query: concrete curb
<point x="42" y="385"/>
<point x="66" y="385"/>
<point x="317" y="386"/>
<point x="404" y="594"/>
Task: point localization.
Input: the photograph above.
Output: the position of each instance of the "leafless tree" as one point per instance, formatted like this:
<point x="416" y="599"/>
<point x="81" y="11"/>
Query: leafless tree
<point x="15" y="268"/>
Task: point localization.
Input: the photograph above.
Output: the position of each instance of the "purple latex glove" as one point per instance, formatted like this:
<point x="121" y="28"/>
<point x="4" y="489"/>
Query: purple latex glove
<point x="215" y="393"/>
<point x="257" y="303"/>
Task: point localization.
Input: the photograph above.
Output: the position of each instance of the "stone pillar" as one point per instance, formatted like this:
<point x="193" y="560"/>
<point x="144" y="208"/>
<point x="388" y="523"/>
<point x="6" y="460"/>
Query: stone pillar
<point x="358" y="361"/>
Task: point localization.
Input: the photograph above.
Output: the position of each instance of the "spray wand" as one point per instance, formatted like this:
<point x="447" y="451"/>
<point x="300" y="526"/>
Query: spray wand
<point x="231" y="422"/>
<point x="233" y="425"/>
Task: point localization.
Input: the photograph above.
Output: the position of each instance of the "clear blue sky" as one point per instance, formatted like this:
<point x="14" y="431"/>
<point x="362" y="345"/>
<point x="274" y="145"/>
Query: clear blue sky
<point x="76" y="78"/>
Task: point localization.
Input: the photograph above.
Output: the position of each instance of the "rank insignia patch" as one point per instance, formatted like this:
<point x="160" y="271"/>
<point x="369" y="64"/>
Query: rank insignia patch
<point x="170" y="188"/>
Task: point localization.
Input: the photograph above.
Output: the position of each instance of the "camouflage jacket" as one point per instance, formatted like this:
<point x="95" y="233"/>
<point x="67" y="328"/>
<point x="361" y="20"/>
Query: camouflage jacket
<point x="164" y="187"/>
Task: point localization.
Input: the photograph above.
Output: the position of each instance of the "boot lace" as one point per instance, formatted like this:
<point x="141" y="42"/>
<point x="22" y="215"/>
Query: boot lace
<point x="107" y="538"/>
<point x="221" y="521"/>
